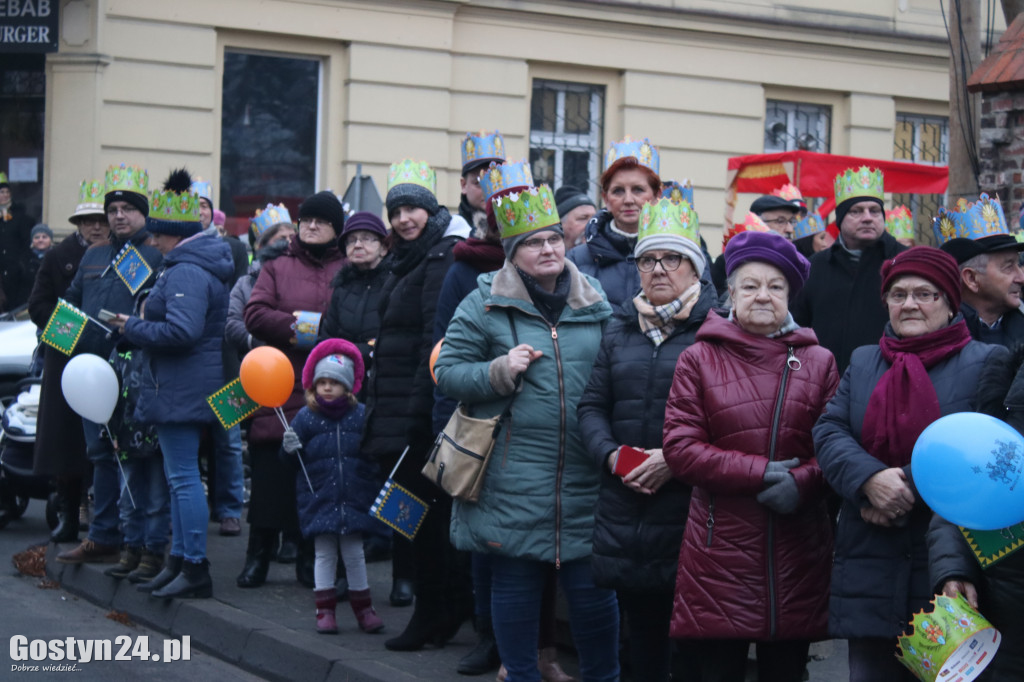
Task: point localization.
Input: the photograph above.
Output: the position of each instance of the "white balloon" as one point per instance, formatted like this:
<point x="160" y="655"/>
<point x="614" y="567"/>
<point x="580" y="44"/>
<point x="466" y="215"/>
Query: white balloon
<point x="90" y="386"/>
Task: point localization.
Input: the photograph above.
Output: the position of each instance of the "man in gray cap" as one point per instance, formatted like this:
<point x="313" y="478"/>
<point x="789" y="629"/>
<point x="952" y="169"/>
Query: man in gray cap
<point x="777" y="213"/>
<point x="990" y="283"/>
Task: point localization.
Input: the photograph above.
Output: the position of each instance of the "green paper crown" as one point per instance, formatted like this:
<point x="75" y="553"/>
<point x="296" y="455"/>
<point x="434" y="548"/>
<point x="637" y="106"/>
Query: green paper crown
<point x="91" y="192"/>
<point x="126" y="179"/>
<point x="3" y="177"/>
<point x="522" y="212"/>
<point x="170" y="205"/>
<point x="413" y="173"/>
<point x="861" y="183"/>
<point x="668" y="217"/>
<point x="946" y="638"/>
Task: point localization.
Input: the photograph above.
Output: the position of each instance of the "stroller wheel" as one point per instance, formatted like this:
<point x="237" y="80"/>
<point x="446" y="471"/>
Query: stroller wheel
<point x="51" y="511"/>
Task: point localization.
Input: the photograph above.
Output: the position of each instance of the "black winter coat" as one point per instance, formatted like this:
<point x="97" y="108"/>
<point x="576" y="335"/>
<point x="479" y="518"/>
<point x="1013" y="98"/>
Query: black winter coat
<point x="15" y="253"/>
<point x="880" y="574"/>
<point x="1010" y="332"/>
<point x="400" y="393"/>
<point x="842" y="300"/>
<point x="636" y="536"/>
<point x="608" y="257"/>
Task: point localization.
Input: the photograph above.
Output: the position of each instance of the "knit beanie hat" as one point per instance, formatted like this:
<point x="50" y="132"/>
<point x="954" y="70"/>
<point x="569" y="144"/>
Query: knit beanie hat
<point x="129" y="184"/>
<point x="366" y="221"/>
<point x="336" y="359"/>
<point x="176" y="208"/>
<point x="771" y="248"/>
<point x="927" y="262"/>
<point x="409" y="194"/>
<point x="568" y="197"/>
<point x="326" y="206"/>
<point x="41" y="228"/>
<point x="844" y="208"/>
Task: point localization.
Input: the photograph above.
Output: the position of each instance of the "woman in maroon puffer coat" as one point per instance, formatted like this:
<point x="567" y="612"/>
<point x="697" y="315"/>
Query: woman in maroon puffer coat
<point x="754" y="565"/>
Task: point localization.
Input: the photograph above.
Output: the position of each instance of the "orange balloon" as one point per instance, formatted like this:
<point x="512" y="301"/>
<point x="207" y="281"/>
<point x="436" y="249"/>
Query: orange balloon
<point x="433" y="358"/>
<point x="267" y="376"/>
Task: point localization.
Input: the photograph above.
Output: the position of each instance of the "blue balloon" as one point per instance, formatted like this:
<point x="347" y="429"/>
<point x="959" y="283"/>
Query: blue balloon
<point x="969" y="468"/>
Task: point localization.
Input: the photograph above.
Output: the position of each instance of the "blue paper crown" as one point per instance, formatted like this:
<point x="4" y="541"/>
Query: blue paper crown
<point x="268" y="217"/>
<point x="982" y="218"/>
<point x="678" y="191"/>
<point x="483" y="146"/>
<point x="812" y="224"/>
<point x="203" y="188"/>
<point x="500" y="177"/>
<point x="642" y="150"/>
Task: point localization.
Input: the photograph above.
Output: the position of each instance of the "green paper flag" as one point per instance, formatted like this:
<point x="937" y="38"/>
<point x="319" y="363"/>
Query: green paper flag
<point x="992" y="546"/>
<point x="231" y="404"/>
<point x="65" y="327"/>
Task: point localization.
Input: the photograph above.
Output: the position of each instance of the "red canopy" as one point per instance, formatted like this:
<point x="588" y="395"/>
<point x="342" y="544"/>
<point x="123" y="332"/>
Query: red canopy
<point x="814" y="174"/>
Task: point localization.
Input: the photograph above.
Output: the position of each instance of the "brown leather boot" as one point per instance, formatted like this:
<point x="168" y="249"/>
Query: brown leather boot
<point x="550" y="670"/>
<point x="90" y="552"/>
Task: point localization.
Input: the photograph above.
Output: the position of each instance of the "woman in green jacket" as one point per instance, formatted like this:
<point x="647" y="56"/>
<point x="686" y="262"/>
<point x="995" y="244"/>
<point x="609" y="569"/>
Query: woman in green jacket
<point x="530" y="333"/>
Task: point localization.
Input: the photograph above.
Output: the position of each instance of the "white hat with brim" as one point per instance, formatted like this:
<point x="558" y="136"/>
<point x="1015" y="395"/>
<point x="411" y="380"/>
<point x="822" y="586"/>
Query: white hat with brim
<point x="89" y="209"/>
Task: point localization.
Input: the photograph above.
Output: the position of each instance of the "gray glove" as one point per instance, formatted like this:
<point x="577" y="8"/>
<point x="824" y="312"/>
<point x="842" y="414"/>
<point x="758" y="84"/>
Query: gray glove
<point x="781" y="495"/>
<point x="291" y="443"/>
<point x="780" y="467"/>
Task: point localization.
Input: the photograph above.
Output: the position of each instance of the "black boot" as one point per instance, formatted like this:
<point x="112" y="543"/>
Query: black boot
<point x="291" y="542"/>
<point x="484" y="656"/>
<point x="192" y="583"/>
<point x="69" y="499"/>
<point x="304" y="564"/>
<point x="429" y="625"/>
<point x="257" y="557"/>
<point x="171" y="569"/>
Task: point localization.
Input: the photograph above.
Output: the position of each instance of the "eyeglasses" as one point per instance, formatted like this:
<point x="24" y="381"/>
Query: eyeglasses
<point x="315" y="222"/>
<point x="353" y="239"/>
<point x="781" y="222"/>
<point x="669" y="263"/>
<point x="123" y="210"/>
<point x="537" y="243"/>
<point x="920" y="296"/>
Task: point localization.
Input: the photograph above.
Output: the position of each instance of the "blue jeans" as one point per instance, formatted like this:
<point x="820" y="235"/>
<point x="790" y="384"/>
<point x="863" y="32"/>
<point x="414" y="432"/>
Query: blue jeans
<point x="230" y="478"/>
<point x="189" y="513"/>
<point x="516" y="588"/>
<point x="149" y="521"/>
<point x="106" y="486"/>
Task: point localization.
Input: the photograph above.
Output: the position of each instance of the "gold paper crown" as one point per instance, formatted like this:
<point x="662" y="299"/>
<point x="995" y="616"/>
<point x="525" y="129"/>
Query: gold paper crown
<point x="174" y="206"/>
<point x="521" y="212"/>
<point x="412" y="172"/>
<point x="667" y="217"/>
<point x="125" y="178"/>
<point x="863" y="183"/>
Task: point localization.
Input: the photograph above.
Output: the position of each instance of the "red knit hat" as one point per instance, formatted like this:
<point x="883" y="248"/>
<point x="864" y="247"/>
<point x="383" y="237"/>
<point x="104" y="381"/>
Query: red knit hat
<point x="934" y="265"/>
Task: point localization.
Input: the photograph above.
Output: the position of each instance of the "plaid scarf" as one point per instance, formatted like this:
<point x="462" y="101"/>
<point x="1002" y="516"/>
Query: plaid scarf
<point x="658" y="321"/>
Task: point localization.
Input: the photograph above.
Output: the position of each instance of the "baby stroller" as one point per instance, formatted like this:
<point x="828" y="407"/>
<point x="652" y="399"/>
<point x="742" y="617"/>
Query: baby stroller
<point x="18" y="484"/>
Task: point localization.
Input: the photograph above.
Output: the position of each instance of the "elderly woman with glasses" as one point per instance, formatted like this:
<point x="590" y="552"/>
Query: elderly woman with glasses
<point x="925" y="366"/>
<point x="529" y="335"/>
<point x="754" y="562"/>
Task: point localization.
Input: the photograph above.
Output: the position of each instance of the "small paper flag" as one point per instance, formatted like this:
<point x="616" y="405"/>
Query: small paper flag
<point x="132" y="268"/>
<point x="64" y="327"/>
<point x="399" y="508"/>
<point x="992" y="546"/>
<point x="231" y="404"/>
<point x="307" y="325"/>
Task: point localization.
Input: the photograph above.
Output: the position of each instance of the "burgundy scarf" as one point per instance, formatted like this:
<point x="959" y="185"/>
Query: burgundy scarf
<point x="904" y="402"/>
<point x="483" y="255"/>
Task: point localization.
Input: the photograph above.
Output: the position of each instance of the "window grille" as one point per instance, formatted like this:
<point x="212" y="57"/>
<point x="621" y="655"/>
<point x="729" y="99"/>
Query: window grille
<point x="921" y="139"/>
<point x="796" y="125"/>
<point x="566" y="130"/>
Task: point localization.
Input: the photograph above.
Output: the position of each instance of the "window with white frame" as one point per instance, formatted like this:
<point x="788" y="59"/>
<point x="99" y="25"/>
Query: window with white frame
<point x="566" y="128"/>
<point x="797" y="125"/>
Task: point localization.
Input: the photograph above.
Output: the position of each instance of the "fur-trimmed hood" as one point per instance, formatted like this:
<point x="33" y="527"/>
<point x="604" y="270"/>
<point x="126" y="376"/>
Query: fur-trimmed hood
<point x="334" y="347"/>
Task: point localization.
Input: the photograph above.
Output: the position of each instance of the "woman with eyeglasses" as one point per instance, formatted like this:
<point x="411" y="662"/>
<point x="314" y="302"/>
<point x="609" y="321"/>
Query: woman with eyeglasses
<point x="529" y="334"/>
<point x="641" y="513"/>
<point x="925" y="366"/>
<point x="299" y="280"/>
<point x="755" y="556"/>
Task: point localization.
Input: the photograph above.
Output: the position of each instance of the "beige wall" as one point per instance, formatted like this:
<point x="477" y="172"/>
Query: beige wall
<point x="411" y="77"/>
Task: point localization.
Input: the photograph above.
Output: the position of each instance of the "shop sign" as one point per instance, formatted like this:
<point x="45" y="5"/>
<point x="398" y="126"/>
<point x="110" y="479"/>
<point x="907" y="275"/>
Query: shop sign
<point x="29" y="25"/>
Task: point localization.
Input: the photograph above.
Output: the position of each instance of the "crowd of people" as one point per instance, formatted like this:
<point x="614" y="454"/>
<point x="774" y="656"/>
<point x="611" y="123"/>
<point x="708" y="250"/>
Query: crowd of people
<point x="701" y="455"/>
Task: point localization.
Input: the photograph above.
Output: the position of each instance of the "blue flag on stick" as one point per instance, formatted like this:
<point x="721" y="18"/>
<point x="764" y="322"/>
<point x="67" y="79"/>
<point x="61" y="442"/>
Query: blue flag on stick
<point x="132" y="268"/>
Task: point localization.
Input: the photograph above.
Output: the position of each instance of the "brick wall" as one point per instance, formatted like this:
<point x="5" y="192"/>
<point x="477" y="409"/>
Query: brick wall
<point x="1001" y="150"/>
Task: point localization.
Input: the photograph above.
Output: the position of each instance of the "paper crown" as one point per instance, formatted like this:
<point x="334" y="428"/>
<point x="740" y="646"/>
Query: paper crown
<point x="182" y="207"/>
<point x="502" y="176"/>
<point x="899" y="222"/>
<point x="409" y="172"/>
<point x="203" y="188"/>
<point x="811" y="225"/>
<point x="668" y="217"/>
<point x="863" y="182"/>
<point x="789" y="192"/>
<point x="268" y="217"/>
<point x="483" y="146"/>
<point x="521" y="212"/>
<point x="953" y="641"/>
<point x="678" y="191"/>
<point x="975" y="220"/>
<point x="752" y="223"/>
<point x="642" y="150"/>
<point x="3" y="178"/>
<point x="90" y="198"/>
<point x="126" y="179"/>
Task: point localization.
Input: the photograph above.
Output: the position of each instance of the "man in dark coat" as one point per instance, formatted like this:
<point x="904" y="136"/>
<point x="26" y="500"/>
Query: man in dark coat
<point x="990" y="283"/>
<point x="97" y="286"/>
<point x="478" y="150"/>
<point x="15" y="229"/>
<point x="60" y="445"/>
<point x="842" y="300"/>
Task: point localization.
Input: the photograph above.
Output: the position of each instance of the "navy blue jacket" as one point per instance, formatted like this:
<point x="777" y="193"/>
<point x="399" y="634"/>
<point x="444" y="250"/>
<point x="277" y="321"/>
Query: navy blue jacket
<point x="608" y="257"/>
<point x="97" y="286"/>
<point x="344" y="481"/>
<point x="182" y="333"/>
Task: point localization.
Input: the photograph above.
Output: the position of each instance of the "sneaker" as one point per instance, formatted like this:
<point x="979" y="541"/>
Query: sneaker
<point x="128" y="562"/>
<point x="230" y="527"/>
<point x="90" y="552"/>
